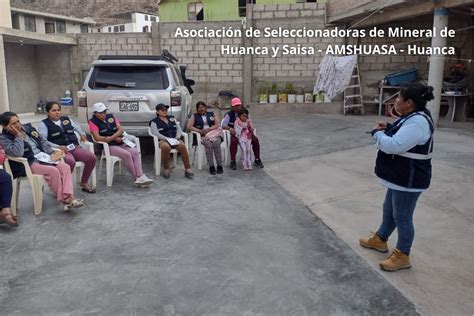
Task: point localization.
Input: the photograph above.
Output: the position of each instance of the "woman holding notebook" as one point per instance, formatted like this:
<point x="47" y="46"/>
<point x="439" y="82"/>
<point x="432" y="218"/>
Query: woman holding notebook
<point x="168" y="131"/>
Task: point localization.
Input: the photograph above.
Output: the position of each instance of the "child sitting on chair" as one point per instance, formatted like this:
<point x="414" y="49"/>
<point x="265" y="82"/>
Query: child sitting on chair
<point x="244" y="130"/>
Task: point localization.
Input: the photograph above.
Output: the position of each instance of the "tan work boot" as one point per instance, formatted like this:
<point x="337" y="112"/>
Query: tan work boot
<point x="396" y="261"/>
<point x="373" y="241"/>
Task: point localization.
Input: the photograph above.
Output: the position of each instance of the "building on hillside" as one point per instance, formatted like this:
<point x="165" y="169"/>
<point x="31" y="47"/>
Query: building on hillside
<point x="48" y="23"/>
<point x="212" y="10"/>
<point x="131" y="22"/>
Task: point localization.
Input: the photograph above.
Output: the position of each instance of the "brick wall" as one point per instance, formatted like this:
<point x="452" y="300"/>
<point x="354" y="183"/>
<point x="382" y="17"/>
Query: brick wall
<point x="214" y="72"/>
<point x="336" y="7"/>
<point x="91" y="45"/>
<point x="211" y="70"/>
<point x="301" y="70"/>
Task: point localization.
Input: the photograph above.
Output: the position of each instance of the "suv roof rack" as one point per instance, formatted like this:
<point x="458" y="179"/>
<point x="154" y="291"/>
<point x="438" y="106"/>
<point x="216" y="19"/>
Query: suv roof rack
<point x="165" y="55"/>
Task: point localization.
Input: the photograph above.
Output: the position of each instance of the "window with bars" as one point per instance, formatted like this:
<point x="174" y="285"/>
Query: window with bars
<point x="30" y="23"/>
<point x="243" y="7"/>
<point x="84" y="28"/>
<point x="60" y="26"/>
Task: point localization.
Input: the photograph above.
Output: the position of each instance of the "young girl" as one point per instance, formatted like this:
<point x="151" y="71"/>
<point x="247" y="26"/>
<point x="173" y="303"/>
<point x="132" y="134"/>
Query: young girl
<point x="244" y="129"/>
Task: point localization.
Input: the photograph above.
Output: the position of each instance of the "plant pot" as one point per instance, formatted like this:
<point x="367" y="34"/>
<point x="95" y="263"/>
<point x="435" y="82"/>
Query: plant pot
<point x="300" y="98"/>
<point x="320" y="97"/>
<point x="308" y="98"/>
<point x="282" y="98"/>
<point x="263" y="98"/>
<point x="291" y="98"/>
<point x="273" y="98"/>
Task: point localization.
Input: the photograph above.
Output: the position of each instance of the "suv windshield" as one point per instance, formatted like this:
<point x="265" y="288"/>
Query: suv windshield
<point x="129" y="77"/>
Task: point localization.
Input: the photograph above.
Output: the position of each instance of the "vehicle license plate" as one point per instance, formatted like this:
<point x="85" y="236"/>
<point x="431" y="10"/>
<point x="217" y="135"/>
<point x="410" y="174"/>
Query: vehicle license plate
<point x="128" y="106"/>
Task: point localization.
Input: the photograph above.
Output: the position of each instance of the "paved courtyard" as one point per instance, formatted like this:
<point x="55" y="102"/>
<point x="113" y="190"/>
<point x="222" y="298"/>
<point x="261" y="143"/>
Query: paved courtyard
<point x="239" y="243"/>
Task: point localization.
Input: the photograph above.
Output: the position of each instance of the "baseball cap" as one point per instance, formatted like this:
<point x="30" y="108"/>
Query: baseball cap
<point x="160" y="106"/>
<point x="235" y="102"/>
<point x="99" y="107"/>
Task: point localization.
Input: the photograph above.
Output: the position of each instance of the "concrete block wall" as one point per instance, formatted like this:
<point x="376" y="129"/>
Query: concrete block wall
<point x="336" y="7"/>
<point x="211" y="70"/>
<point x="214" y="72"/>
<point x="92" y="45"/>
<point x="301" y="69"/>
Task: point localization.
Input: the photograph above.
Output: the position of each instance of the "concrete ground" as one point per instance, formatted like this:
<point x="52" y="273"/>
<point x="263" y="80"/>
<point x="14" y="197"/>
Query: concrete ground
<point x="337" y="184"/>
<point x="248" y="242"/>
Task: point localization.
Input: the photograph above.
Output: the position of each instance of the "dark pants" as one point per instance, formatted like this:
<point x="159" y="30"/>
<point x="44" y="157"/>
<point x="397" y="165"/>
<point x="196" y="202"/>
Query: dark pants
<point x="398" y="209"/>
<point x="234" y="145"/>
<point x="6" y="189"/>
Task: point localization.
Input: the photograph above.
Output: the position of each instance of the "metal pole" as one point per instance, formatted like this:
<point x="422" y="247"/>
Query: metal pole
<point x="436" y="70"/>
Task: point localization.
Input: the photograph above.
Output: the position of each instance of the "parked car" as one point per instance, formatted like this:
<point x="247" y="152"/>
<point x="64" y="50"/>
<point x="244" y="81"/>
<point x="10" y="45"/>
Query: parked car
<point x="131" y="87"/>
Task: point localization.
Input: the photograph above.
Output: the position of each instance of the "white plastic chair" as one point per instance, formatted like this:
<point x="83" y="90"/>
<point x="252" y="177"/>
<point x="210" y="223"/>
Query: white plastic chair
<point x="79" y="166"/>
<point x="110" y="160"/>
<point x="36" y="183"/>
<point x="174" y="152"/>
<point x="201" y="150"/>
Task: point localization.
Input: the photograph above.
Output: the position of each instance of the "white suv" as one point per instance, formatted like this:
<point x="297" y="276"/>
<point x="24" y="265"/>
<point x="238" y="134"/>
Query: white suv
<point x="131" y="87"/>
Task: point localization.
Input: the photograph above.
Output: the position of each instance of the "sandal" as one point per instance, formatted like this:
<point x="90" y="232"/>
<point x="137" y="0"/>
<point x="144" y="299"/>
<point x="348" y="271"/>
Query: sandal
<point x="88" y="189"/>
<point x="76" y="203"/>
<point x="8" y="218"/>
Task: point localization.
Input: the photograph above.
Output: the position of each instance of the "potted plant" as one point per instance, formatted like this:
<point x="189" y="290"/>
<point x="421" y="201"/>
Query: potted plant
<point x="457" y="79"/>
<point x="263" y="92"/>
<point x="273" y="98"/>
<point x="282" y="96"/>
<point x="300" y="96"/>
<point x="319" y="97"/>
<point x="308" y="96"/>
<point x="291" y="90"/>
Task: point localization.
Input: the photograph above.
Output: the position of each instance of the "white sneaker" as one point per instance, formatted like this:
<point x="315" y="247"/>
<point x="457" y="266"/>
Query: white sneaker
<point x="143" y="181"/>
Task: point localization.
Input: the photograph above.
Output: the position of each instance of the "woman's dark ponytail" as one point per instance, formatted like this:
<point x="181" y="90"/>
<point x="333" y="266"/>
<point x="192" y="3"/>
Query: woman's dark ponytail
<point x="428" y="95"/>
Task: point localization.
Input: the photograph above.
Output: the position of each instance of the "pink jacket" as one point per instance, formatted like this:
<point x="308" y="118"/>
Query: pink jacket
<point x="2" y="156"/>
<point x="243" y="130"/>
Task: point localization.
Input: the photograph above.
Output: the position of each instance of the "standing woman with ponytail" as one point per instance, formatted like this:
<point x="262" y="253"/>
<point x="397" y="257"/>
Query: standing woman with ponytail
<point x="403" y="166"/>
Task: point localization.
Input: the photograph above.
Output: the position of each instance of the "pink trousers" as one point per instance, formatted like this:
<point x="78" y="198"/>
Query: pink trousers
<point x="130" y="157"/>
<point x="81" y="154"/>
<point x="58" y="177"/>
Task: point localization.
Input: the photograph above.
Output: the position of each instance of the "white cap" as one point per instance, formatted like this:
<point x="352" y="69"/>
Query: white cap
<point x="99" y="107"/>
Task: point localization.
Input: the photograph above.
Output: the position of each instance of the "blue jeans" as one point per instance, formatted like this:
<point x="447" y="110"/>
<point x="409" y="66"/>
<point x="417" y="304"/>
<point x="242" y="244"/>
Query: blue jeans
<point x="398" y="209"/>
<point x="5" y="189"/>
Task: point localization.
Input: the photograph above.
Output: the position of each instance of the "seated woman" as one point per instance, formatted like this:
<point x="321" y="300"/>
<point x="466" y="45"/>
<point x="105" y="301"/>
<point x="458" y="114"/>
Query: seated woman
<point x="6" y="195"/>
<point x="165" y="127"/>
<point x="59" y="131"/>
<point x="24" y="141"/>
<point x="207" y="124"/>
<point x="106" y="128"/>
